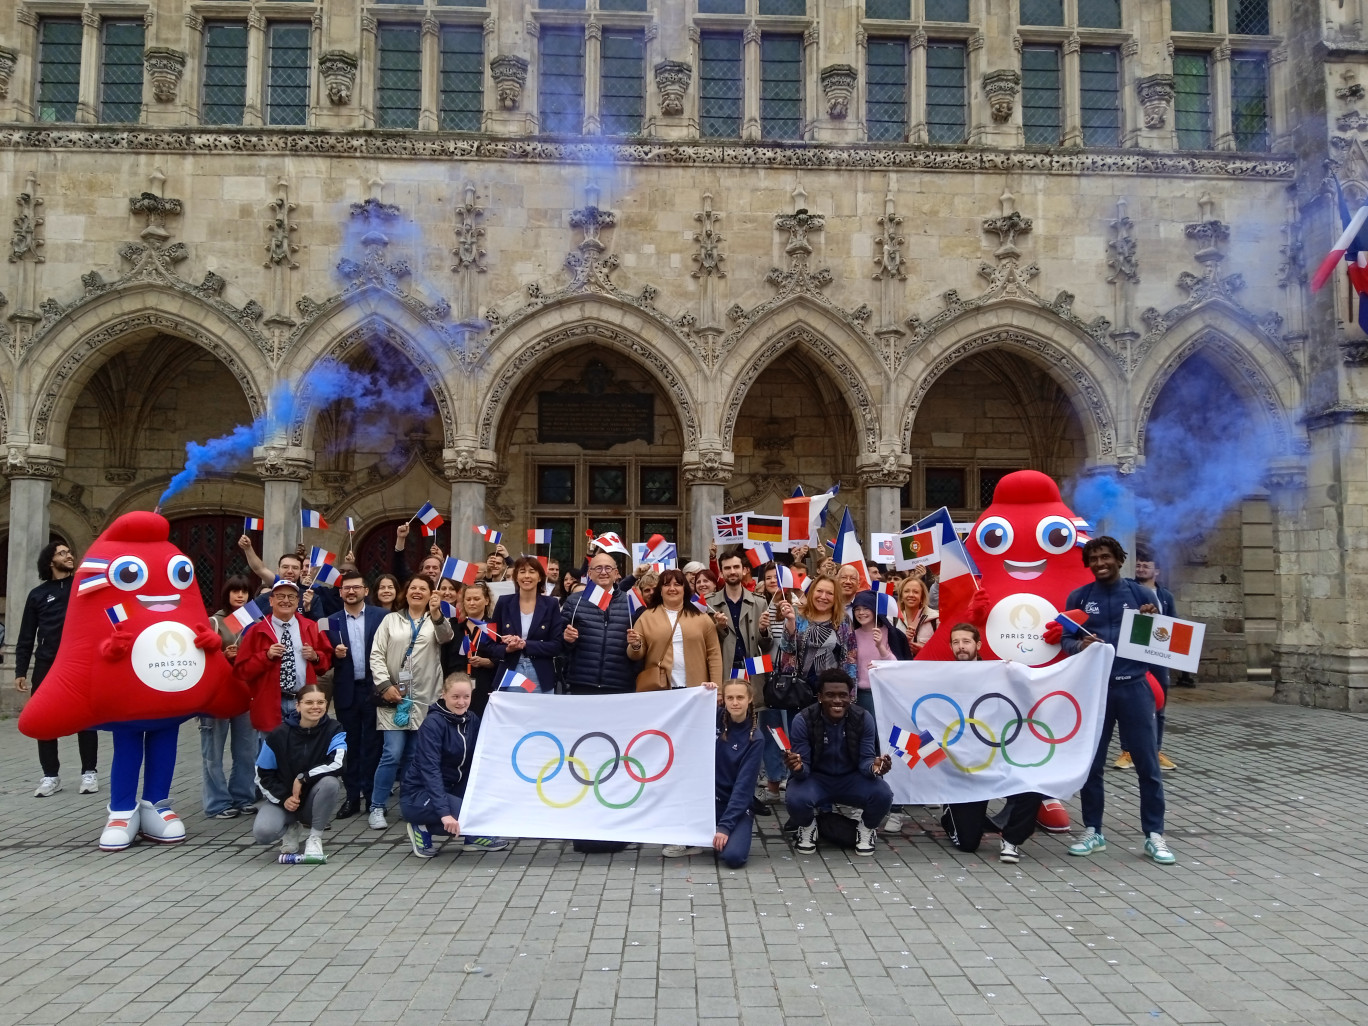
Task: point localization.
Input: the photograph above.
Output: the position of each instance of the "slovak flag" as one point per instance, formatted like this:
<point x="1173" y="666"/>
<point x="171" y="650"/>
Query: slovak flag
<point x="598" y="596"/>
<point x="430" y="517"/>
<point x="848" y="550"/>
<point x="539" y="536"/>
<point x="329" y="575"/>
<point x="760" y="664"/>
<point x="251" y="524"/>
<point x="488" y="534"/>
<point x="117" y="614"/>
<point x="459" y="570"/>
<point x="244" y="616"/>
<point x="513" y="679"/>
<point x="312" y="518"/>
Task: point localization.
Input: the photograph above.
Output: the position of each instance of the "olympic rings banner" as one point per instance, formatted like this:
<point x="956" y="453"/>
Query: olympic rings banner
<point x="636" y="767"/>
<point x="983" y="730"/>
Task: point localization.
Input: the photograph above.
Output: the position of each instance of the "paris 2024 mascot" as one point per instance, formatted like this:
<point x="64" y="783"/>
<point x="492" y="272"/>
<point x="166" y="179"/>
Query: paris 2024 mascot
<point x="1026" y="546"/>
<point x="138" y="657"/>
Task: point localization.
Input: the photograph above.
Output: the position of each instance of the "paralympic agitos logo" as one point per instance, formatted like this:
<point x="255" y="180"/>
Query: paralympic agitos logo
<point x="563" y="778"/>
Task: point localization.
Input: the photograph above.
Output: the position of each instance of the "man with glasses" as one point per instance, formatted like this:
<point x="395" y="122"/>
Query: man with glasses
<point x="278" y="655"/>
<point x="596" y="660"/>
<point x="352" y="632"/>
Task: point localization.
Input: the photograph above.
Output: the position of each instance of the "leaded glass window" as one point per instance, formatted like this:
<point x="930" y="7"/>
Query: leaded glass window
<point x="781" y="86"/>
<point x="623" y="84"/>
<point x="721" y="78"/>
<point x="399" y="85"/>
<point x="1249" y="101"/>
<point x="561" y="5"/>
<point x="1099" y="13"/>
<point x="946" y="93"/>
<point x="1192" y="100"/>
<point x="1042" y="12"/>
<point x="462" y="85"/>
<point x="947" y="10"/>
<point x="1100" y="96"/>
<point x="896" y="10"/>
<point x="121" y="72"/>
<point x="287" y="74"/>
<point x="225" y="72"/>
<point x="59" y="69"/>
<point x="622" y="5"/>
<point x="1041" y="94"/>
<point x="561" y="80"/>
<point x="1248" y="17"/>
<point x="721" y="6"/>
<point x="886" y="103"/>
<point x="794" y="8"/>
<point x="1191" y="15"/>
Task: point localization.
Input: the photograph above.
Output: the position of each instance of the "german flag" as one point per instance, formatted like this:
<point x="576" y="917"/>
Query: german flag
<point x="764" y="529"/>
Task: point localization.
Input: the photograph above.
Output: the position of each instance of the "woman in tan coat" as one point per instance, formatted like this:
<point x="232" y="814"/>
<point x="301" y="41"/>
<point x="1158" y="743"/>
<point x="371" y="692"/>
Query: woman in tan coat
<point x="676" y="642"/>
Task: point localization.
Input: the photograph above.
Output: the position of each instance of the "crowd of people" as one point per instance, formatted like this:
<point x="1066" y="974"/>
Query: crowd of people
<point x="407" y="661"/>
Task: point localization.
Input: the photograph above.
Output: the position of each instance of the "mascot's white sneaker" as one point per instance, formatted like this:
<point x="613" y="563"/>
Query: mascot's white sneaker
<point x="158" y="823"/>
<point x="120" y="831"/>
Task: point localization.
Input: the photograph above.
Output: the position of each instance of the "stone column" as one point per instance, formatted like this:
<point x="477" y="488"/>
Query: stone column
<point x="916" y="87"/>
<point x="593" y="77"/>
<point x="88" y="90"/>
<point x="471" y="471"/>
<point x="30" y="495"/>
<point x="431" y="72"/>
<point x="750" y="101"/>
<point x="253" y="108"/>
<point x="706" y="472"/>
<point x="883" y="476"/>
<point x="19" y="69"/>
<point x="1073" y="96"/>
<point x="1280" y="85"/>
<point x="1221" y="102"/>
<point x="283" y="470"/>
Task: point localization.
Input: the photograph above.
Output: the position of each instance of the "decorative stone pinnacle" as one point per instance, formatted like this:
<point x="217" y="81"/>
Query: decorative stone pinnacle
<point x="1007" y="228"/>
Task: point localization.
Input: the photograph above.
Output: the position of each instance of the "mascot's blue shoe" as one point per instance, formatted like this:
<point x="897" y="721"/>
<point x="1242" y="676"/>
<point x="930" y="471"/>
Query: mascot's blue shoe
<point x="159" y="824"/>
<point x="120" y="831"/>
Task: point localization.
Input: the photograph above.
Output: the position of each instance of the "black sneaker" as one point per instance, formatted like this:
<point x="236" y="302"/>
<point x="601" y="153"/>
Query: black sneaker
<point x="227" y="814"/>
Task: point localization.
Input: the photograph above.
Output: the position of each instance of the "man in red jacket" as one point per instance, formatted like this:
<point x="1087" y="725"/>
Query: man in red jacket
<point x="278" y="655"/>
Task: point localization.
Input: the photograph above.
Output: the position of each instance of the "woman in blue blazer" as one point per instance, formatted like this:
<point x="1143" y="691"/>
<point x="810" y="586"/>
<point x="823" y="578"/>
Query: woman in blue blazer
<point x="530" y="628"/>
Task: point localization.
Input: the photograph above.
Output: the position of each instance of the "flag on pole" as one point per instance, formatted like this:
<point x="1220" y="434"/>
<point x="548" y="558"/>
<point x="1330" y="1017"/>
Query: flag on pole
<point x="117" y="614"/>
<point x="488" y="534"/>
<point x="448" y="610"/>
<point x="251" y="524"/>
<point x="427" y="532"/>
<point x="958" y="573"/>
<point x="513" y="679"/>
<point x="430" y="517"/>
<point x="784" y="576"/>
<point x="1072" y="621"/>
<point x="312" y="518"/>
<point x="329" y="575"/>
<point x="635" y="603"/>
<point x="759" y="555"/>
<point x="764" y="529"/>
<point x="245" y="615"/>
<point x="460" y="571"/>
<point x="609" y="541"/>
<point x="922" y="748"/>
<point x="781" y="739"/>
<point x="848" y="550"/>
<point x="319" y="555"/>
<point x="886" y="605"/>
<point x="701" y="606"/>
<point x="539" y="536"/>
<point x="598" y="596"/>
<point x="804" y="515"/>
<point x="737" y="673"/>
<point x="1349" y="245"/>
<point x="759" y="664"/>
<point x="351" y="525"/>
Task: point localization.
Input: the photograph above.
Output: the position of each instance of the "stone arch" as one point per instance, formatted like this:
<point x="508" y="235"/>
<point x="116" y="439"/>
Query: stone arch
<point x="63" y="364"/>
<point x="589" y="320"/>
<point x="805" y="324"/>
<point x="1072" y="362"/>
<point x="1251" y="365"/>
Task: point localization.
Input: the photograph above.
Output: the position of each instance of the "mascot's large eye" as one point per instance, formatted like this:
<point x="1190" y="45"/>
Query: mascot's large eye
<point x="1056" y="535"/>
<point x="128" y="573"/>
<point x="181" y="571"/>
<point x="994" y="536"/>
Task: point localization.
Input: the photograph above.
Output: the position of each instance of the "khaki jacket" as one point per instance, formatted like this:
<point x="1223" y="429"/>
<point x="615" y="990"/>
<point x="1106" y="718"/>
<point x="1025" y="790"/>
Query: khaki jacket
<point x="702" y="653"/>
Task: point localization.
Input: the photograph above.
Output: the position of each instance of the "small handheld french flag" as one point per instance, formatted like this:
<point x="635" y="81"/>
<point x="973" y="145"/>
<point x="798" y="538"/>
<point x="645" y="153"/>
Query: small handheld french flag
<point x="245" y="616"/>
<point x="251" y="524"/>
<point x="428" y="530"/>
<point x="886" y="606"/>
<point x="598" y="596"/>
<point x="759" y="553"/>
<point x="351" y="525"/>
<point x="486" y="628"/>
<point x="781" y="738"/>
<point x="513" y="679"/>
<point x="488" y="534"/>
<point x="448" y="610"/>
<point x="312" y="518"/>
<point x="539" y="536"/>
<point x="700" y="605"/>
<point x="319" y="555"/>
<point x="784" y="576"/>
<point x="737" y="673"/>
<point x="430" y="517"/>
<point x="635" y="603"/>
<point x="459" y="570"/>
<point x="117" y="614"/>
<point x="1072" y="620"/>
<point x="759" y="664"/>
<point x="329" y="575"/>
<point x="912" y="749"/>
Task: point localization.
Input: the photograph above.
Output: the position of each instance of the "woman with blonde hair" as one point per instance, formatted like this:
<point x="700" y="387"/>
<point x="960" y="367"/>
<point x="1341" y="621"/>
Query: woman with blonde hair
<point x="821" y="639"/>
<point x="918" y="619"/>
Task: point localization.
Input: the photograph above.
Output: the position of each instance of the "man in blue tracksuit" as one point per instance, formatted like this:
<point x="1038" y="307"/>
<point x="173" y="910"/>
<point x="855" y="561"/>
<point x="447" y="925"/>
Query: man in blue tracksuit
<point x="835" y="758"/>
<point x="1130" y="702"/>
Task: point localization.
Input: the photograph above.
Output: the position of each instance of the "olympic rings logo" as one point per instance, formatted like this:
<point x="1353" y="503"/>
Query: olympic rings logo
<point x="577" y="769"/>
<point x="1009" y="731"/>
<point x="174" y="674"/>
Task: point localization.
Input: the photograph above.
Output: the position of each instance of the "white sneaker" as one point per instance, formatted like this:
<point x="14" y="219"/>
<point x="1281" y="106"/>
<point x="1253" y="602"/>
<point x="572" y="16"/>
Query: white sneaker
<point x="864" y="839"/>
<point x="313" y="846"/>
<point x="893" y="823"/>
<point x="90" y="782"/>
<point x="47" y="787"/>
<point x="289" y="841"/>
<point x="678" y="851"/>
<point x="377" y="818"/>
<point x="160" y="823"/>
<point x="807" y="838"/>
<point x="120" y="831"/>
<point x="1010" y="852"/>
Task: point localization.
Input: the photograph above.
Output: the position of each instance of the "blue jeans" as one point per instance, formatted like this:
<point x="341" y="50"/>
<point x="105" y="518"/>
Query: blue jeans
<point x="873" y="795"/>
<point x="1130" y="705"/>
<point x="775" y="770"/>
<point x="394" y="758"/>
<point x="239" y="787"/>
<point x="737" y="849"/>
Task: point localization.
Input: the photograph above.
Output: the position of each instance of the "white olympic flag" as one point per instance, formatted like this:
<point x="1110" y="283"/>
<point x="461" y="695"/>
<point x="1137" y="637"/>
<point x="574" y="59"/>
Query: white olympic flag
<point x="636" y="767"/>
<point x="983" y="730"/>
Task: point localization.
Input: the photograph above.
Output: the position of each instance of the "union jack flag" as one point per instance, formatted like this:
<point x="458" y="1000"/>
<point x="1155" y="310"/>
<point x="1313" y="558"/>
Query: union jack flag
<point x="730" y="528"/>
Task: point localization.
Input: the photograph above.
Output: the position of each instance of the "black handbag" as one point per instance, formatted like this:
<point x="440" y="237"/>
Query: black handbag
<point x="789" y="692"/>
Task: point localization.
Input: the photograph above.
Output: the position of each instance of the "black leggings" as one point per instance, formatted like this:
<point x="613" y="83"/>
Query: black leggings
<point x="87" y="741"/>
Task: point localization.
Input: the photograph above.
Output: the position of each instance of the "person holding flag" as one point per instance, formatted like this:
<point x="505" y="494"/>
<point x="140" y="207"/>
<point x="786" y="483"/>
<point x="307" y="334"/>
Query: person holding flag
<point x="464" y="654"/>
<point x="529" y="626"/>
<point x="675" y="642"/>
<point x="232" y="795"/>
<point x="278" y="656"/>
<point x="595" y="636"/>
<point x="822" y="639"/>
<point x="352" y="631"/>
<point x="919" y="619"/>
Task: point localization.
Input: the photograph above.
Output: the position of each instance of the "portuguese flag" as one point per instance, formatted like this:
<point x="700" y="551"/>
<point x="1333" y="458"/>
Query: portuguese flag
<point x="1161" y="632"/>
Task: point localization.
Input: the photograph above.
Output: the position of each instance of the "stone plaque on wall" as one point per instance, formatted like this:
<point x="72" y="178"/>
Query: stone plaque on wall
<point x="595" y="421"/>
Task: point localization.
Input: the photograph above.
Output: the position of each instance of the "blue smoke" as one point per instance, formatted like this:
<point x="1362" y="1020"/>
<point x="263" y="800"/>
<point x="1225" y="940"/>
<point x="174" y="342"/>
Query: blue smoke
<point x="1205" y="450"/>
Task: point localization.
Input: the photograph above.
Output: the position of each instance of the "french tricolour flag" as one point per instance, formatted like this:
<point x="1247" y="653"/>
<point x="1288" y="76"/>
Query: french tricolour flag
<point x="922" y="748"/>
<point x="430" y="517"/>
<point x="251" y="524"/>
<point x="486" y="628"/>
<point x="759" y="553"/>
<point x="312" y="518"/>
<point x="737" y="673"/>
<point x="460" y="570"/>
<point x="700" y="605"/>
<point x="1340" y="249"/>
<point x="784" y="576"/>
<point x="848" y="549"/>
<point x="513" y="679"/>
<point x="488" y="533"/>
<point x="1072" y="620"/>
<point x="89" y="584"/>
<point x="635" y="603"/>
<point x="598" y="596"/>
<point x="448" y="610"/>
<point x="319" y="555"/>
<point x="117" y="614"/>
<point x="760" y="664"/>
<point x="351" y="525"/>
<point x="539" y="536"/>
<point x="329" y="575"/>
<point x="245" y="616"/>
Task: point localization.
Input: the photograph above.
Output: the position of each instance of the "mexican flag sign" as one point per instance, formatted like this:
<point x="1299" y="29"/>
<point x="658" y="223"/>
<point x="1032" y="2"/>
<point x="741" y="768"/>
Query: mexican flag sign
<point x="1161" y="640"/>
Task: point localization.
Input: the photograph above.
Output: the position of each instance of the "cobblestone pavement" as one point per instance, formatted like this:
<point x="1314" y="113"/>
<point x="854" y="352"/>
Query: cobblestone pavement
<point x="1263" y="920"/>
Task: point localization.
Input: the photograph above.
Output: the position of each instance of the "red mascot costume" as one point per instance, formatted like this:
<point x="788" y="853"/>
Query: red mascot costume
<point x="138" y="658"/>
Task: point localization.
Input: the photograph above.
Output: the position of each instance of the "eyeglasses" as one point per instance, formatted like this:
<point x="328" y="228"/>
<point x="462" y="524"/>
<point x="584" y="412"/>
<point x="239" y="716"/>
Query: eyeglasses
<point x="601" y="569"/>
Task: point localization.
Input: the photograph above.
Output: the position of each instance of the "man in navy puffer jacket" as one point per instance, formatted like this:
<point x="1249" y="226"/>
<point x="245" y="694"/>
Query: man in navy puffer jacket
<point x="596" y="660"/>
